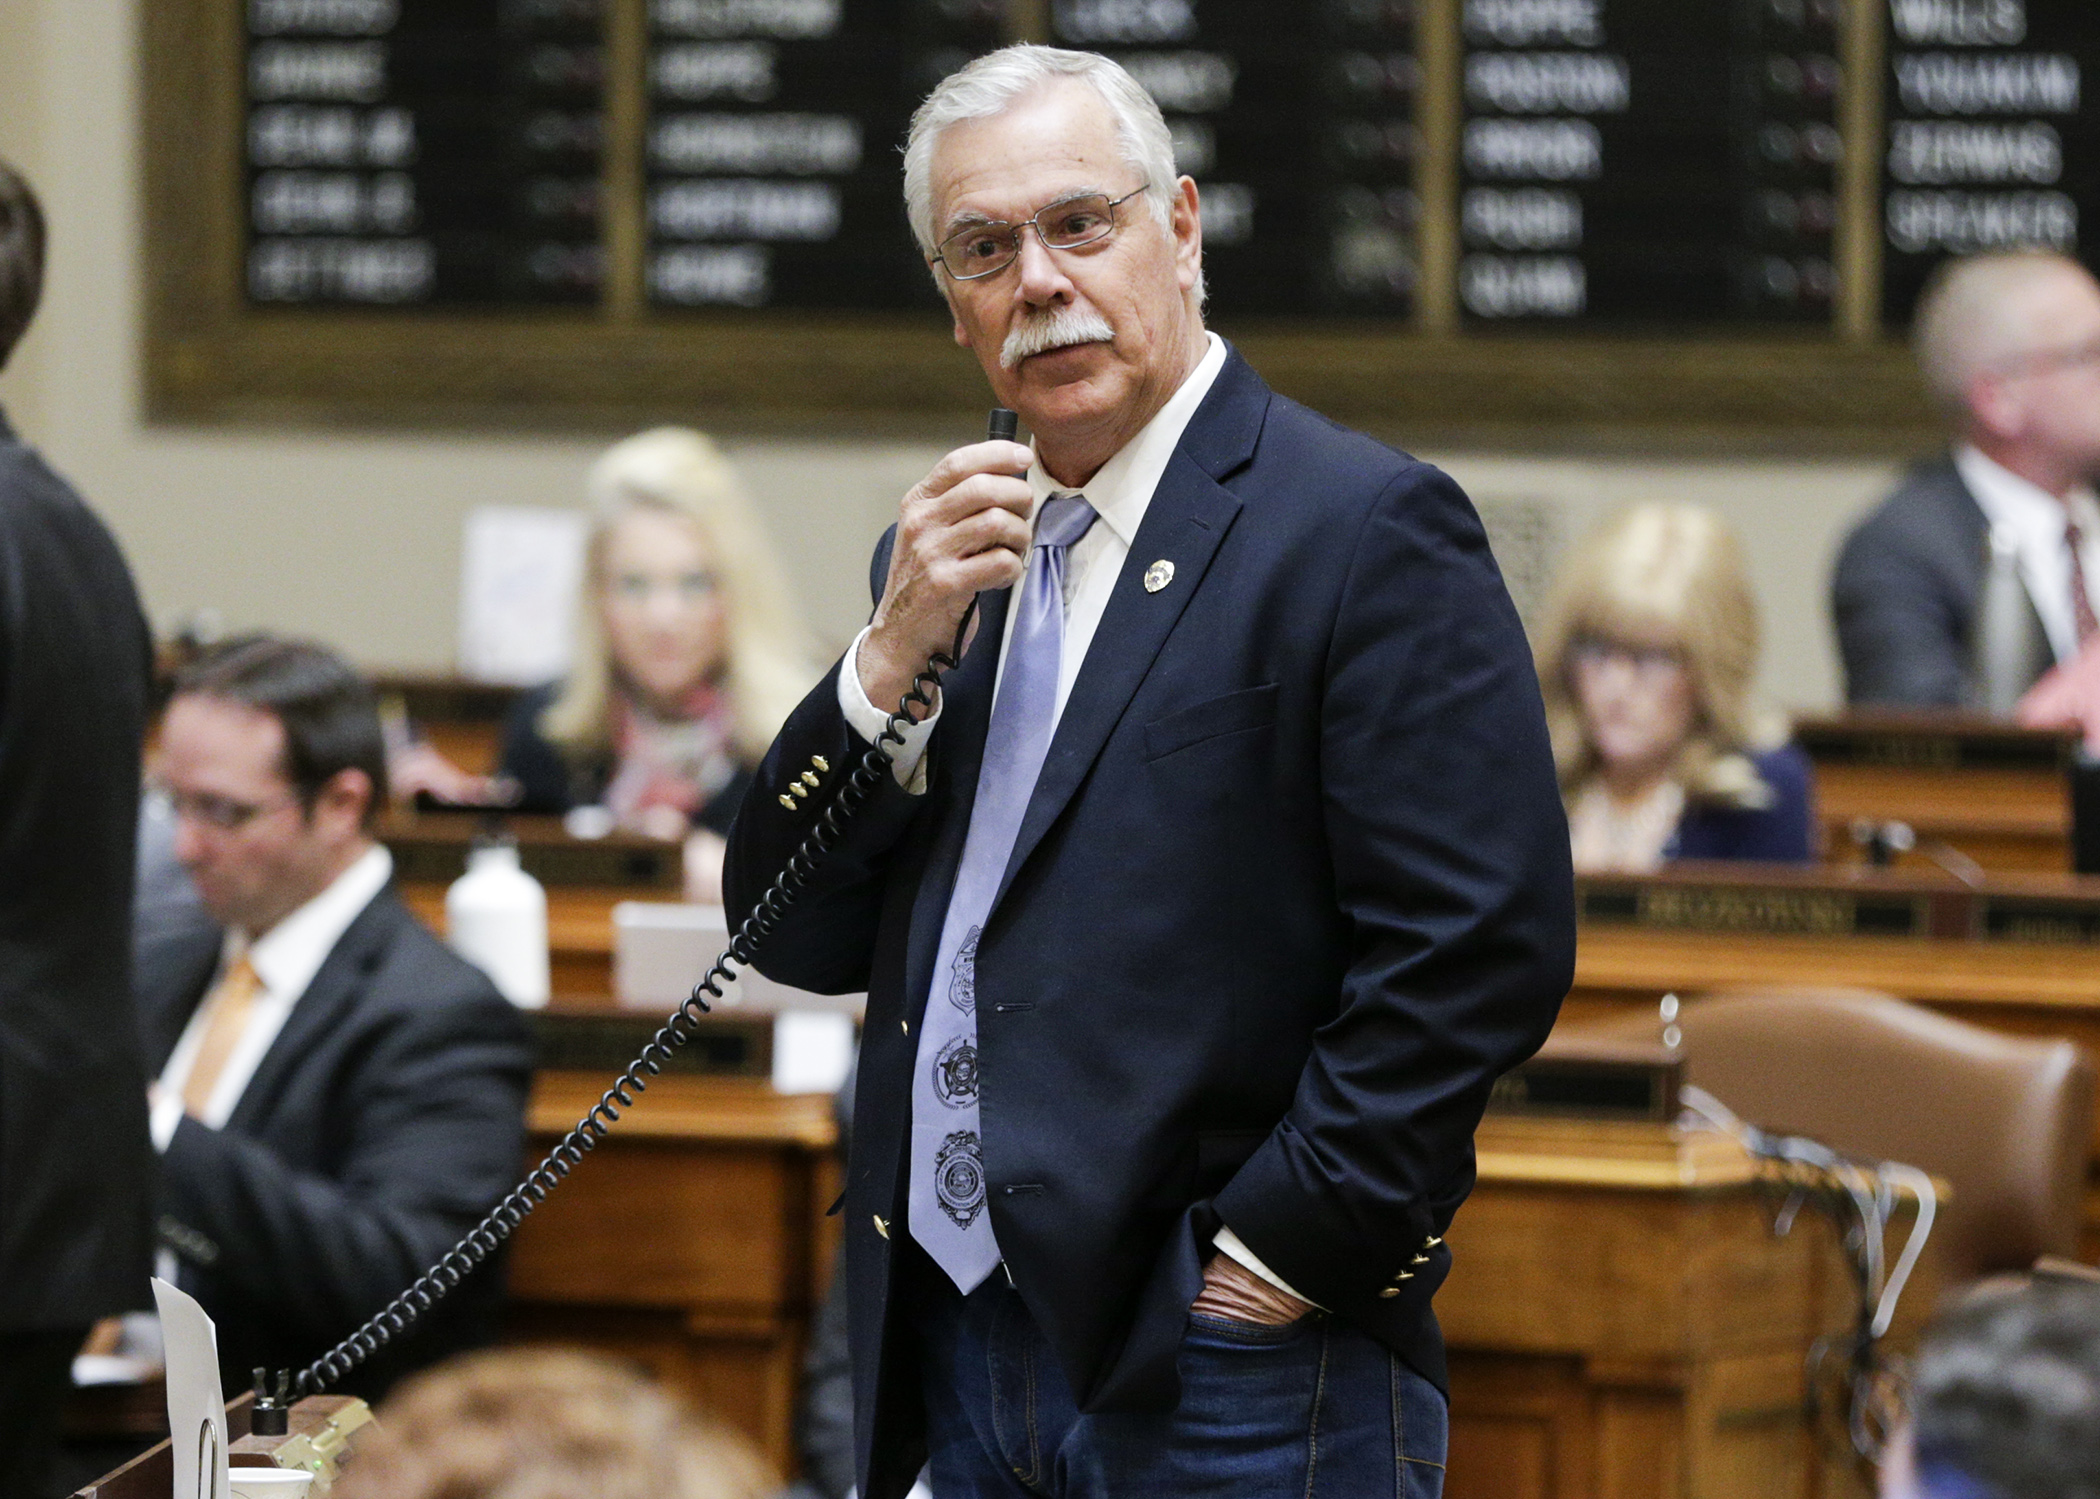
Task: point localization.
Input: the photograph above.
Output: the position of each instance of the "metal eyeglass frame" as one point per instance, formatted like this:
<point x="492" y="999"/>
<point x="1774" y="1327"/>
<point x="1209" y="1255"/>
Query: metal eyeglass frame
<point x="1033" y="221"/>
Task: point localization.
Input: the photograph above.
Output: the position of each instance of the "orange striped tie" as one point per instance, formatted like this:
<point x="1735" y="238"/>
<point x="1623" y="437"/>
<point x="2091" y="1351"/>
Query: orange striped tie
<point x="227" y="1009"/>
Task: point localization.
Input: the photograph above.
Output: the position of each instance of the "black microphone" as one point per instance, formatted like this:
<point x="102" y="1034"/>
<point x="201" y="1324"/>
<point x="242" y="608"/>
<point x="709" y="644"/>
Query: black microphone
<point x="1005" y="426"/>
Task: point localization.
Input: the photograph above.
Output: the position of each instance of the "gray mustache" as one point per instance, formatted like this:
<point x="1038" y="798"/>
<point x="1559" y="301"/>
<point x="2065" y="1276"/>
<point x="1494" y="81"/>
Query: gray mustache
<point x="1058" y="329"/>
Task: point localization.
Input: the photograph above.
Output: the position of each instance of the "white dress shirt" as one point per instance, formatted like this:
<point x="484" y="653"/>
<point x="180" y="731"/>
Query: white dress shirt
<point x="1120" y="493"/>
<point x="2034" y="519"/>
<point x="285" y="959"/>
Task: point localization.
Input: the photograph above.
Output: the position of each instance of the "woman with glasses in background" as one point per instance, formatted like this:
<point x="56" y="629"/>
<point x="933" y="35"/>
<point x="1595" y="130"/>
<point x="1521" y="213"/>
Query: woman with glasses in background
<point x="1647" y="655"/>
<point x="689" y="655"/>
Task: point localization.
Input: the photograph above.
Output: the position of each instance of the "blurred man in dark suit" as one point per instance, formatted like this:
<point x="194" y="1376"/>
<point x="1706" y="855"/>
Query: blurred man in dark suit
<point x="75" y="671"/>
<point x="2009" y="345"/>
<point x="339" y="1095"/>
<point x="1198" y="923"/>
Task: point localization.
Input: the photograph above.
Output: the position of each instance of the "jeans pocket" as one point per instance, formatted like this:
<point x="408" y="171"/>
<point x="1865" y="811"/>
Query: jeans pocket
<point x="1421" y="1433"/>
<point x="1231" y="1332"/>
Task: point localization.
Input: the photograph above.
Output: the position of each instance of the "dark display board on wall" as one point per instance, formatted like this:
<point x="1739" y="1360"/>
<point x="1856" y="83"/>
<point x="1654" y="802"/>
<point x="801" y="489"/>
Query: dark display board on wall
<point x="1567" y="214"/>
<point x="1993" y="138"/>
<point x="1650" y="161"/>
<point x="410" y="153"/>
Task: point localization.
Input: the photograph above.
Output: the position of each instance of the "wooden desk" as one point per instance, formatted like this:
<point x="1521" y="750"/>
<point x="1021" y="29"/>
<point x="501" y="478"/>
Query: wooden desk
<point x="1621" y="1321"/>
<point x="694" y="1241"/>
<point x="2020" y="954"/>
<point x="322" y="1429"/>
<point x="1997" y="793"/>
<point x="585" y="879"/>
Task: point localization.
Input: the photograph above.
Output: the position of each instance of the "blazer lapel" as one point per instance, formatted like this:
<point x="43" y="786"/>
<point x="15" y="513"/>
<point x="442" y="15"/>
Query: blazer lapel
<point x="1187" y="519"/>
<point x="335" y="986"/>
<point x="966" y="716"/>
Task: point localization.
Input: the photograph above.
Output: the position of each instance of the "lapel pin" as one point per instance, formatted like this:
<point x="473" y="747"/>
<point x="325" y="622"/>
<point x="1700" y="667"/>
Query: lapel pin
<point x="1158" y="575"/>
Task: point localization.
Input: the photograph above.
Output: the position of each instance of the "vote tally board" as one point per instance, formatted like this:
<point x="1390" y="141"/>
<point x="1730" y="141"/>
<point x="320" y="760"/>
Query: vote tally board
<point x="1599" y="168"/>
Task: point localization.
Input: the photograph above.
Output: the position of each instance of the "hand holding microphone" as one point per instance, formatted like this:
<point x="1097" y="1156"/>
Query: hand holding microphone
<point x="963" y="529"/>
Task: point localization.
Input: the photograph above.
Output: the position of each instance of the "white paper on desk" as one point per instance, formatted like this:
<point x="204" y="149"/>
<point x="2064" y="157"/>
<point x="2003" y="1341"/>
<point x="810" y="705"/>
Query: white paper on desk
<point x="521" y="568"/>
<point x="196" y="1404"/>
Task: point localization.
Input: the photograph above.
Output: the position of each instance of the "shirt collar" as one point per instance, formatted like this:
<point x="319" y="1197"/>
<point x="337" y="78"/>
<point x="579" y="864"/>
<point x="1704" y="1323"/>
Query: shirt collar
<point x="2009" y="500"/>
<point x="1122" y="489"/>
<point x="289" y="954"/>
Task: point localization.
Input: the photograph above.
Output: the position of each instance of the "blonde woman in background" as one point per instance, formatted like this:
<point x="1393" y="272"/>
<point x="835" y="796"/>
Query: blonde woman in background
<point x="688" y="657"/>
<point x="1647" y="656"/>
<point x="546" y="1423"/>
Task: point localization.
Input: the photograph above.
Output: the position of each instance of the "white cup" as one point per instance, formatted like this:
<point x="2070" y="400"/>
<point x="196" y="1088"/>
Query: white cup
<point x="270" y="1483"/>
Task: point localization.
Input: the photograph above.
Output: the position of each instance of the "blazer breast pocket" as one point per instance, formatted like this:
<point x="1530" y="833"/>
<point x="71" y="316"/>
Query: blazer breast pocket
<point x="1234" y="713"/>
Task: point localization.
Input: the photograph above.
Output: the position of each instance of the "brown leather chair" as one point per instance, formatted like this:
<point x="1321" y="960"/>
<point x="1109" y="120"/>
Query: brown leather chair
<point x="2005" y="1121"/>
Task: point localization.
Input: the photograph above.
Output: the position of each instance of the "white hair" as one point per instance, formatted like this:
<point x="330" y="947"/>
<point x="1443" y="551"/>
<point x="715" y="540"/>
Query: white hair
<point x="1982" y="312"/>
<point x="990" y="85"/>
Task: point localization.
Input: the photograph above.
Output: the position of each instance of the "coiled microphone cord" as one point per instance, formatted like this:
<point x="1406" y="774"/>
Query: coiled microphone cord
<point x="503" y="1219"/>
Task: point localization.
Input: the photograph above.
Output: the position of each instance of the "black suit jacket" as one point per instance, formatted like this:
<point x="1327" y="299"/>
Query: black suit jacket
<point x="75" y="671"/>
<point x="1904" y="595"/>
<point x="387" y="1117"/>
<point x="1292" y="890"/>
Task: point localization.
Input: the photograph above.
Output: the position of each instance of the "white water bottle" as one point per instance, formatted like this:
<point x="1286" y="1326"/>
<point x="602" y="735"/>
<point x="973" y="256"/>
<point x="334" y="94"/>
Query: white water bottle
<point x="496" y="918"/>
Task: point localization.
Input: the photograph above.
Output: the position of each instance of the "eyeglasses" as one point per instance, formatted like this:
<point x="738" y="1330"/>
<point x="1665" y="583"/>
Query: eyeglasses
<point x="988" y="248"/>
<point x="1643" y="661"/>
<point x="222" y="814"/>
<point x="2078" y="356"/>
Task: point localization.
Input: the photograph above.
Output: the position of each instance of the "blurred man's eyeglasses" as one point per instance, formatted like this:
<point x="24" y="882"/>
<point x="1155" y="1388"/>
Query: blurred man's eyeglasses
<point x="988" y="248"/>
<point x="2047" y="361"/>
<point x="222" y="814"/>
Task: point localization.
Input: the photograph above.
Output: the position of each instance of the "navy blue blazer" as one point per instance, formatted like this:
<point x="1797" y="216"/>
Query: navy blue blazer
<point x="1292" y="891"/>
<point x="1783" y="833"/>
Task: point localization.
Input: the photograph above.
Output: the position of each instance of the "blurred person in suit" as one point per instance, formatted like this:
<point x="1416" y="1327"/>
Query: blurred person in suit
<point x="1647" y="655"/>
<point x="2004" y="1397"/>
<point x="75" y="675"/>
<point x="339" y="1095"/>
<point x="547" y="1423"/>
<point x="2009" y="346"/>
<point x="689" y="655"/>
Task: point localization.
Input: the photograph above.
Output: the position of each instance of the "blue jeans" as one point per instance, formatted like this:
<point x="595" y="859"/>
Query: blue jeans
<point x="1310" y="1410"/>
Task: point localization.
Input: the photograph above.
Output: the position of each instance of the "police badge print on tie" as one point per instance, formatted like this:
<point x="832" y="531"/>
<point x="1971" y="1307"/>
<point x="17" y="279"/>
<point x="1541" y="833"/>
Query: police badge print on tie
<point x="947" y="1201"/>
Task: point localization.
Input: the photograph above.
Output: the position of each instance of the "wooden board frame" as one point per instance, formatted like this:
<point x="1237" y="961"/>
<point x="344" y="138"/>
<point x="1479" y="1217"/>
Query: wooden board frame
<point x="211" y="357"/>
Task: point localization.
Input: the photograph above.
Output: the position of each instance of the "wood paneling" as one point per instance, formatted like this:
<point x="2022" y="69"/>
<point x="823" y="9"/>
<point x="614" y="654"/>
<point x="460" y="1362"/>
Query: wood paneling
<point x="694" y="1241"/>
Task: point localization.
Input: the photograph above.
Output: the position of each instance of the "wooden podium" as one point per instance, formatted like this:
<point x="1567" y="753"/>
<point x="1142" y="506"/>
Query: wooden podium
<point x="1624" y="1324"/>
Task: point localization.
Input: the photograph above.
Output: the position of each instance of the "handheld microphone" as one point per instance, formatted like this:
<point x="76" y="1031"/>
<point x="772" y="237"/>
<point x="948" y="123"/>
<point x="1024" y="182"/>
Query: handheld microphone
<point x="1005" y="426"/>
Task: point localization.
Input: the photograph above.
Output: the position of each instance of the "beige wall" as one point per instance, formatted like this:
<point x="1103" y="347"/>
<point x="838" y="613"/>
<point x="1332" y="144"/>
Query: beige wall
<point x="355" y="537"/>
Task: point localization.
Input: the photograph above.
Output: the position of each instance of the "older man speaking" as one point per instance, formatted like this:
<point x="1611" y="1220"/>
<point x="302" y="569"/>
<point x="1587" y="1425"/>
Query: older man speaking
<point x="1203" y="914"/>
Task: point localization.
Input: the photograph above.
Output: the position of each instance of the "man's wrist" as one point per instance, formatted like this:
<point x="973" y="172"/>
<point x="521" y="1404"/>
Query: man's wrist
<point x="869" y="721"/>
<point x="1232" y="1247"/>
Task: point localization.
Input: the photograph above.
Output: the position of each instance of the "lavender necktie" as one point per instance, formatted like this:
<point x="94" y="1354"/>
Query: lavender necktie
<point x="948" y="1215"/>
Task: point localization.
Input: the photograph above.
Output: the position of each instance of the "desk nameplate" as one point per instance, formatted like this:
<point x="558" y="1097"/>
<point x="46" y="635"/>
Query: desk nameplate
<point x="1761" y="909"/>
<point x="1795" y="904"/>
<point x="1933" y="742"/>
